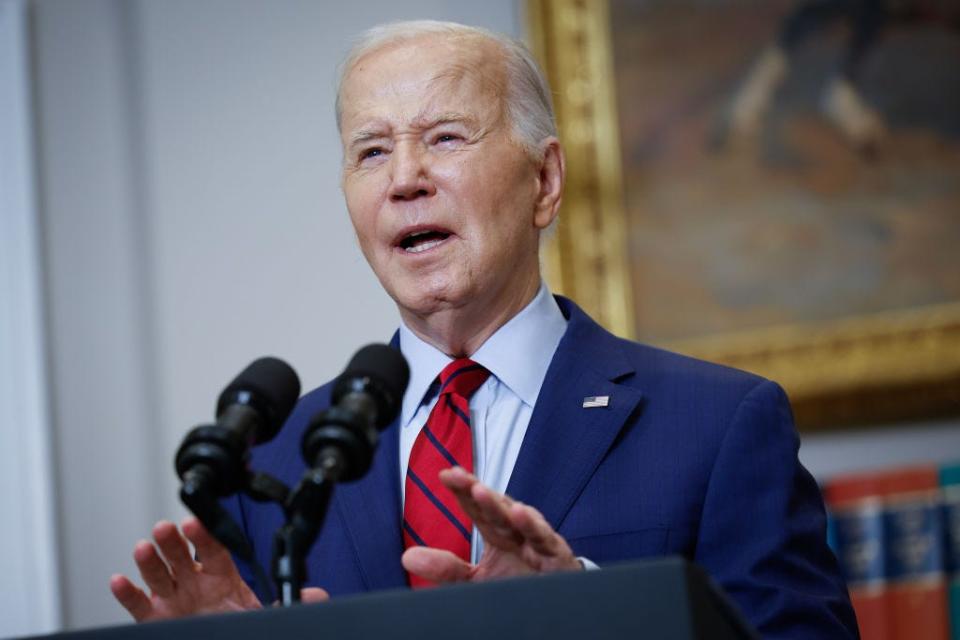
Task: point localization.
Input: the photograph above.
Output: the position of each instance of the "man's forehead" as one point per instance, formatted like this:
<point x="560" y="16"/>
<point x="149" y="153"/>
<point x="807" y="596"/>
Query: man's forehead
<point x="428" y="71"/>
<point x="466" y="52"/>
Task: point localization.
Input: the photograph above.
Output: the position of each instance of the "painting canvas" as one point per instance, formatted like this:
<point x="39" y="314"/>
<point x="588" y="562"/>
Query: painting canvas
<point x="751" y="200"/>
<point x="786" y="167"/>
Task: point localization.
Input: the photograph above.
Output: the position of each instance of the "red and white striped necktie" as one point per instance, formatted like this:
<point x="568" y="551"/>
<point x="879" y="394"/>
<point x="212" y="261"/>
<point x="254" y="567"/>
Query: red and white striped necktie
<point x="432" y="516"/>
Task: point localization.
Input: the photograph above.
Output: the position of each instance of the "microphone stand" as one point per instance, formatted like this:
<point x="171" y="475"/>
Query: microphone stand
<point x="212" y="462"/>
<point x="306" y="510"/>
<point x="211" y="465"/>
<point x="199" y="495"/>
<point x="338" y="445"/>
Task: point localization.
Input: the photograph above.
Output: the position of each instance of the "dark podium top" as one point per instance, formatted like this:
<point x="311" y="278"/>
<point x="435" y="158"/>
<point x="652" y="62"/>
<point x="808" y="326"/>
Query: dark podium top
<point x="667" y="599"/>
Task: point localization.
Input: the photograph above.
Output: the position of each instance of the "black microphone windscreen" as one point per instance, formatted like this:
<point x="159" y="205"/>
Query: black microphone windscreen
<point x="383" y="363"/>
<point x="388" y="374"/>
<point x="271" y="387"/>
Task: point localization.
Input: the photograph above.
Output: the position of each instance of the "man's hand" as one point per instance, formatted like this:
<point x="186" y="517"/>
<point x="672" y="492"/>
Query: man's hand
<point x="517" y="539"/>
<point x="180" y="586"/>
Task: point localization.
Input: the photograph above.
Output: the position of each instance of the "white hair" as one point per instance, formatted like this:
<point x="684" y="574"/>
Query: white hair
<point x="528" y="101"/>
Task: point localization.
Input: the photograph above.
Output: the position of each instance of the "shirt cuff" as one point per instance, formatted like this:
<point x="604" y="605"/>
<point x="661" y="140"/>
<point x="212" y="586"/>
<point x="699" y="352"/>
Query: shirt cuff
<point x="587" y="564"/>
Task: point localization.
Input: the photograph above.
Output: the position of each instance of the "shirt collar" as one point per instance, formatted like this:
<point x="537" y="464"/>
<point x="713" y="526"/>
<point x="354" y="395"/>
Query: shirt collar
<point x="517" y="354"/>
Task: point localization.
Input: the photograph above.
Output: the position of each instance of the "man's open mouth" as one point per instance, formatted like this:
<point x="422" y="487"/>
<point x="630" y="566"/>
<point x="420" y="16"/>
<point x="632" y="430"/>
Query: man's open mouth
<point x="423" y="240"/>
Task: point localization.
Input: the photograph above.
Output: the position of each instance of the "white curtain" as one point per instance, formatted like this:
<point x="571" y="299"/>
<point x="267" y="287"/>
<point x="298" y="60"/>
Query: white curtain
<point x="29" y="597"/>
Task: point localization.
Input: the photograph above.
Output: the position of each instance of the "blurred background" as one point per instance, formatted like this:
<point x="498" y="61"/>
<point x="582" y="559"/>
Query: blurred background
<point x="169" y="211"/>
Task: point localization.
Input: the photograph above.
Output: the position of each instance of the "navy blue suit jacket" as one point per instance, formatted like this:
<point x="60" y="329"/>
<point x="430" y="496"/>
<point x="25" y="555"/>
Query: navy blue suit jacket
<point x="689" y="458"/>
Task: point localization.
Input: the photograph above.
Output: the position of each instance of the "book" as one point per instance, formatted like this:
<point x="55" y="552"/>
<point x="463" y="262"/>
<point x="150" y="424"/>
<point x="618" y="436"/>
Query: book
<point x="950" y="485"/>
<point x="856" y="511"/>
<point x="888" y="528"/>
<point x="914" y="535"/>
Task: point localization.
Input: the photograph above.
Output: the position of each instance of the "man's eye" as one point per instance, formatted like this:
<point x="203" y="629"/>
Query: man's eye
<point x="446" y="137"/>
<point x="372" y="152"/>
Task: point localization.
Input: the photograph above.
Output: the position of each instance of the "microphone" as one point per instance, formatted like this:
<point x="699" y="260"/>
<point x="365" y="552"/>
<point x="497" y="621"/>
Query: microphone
<point x="337" y="446"/>
<point x="250" y="411"/>
<point x="366" y="398"/>
<point x="258" y="401"/>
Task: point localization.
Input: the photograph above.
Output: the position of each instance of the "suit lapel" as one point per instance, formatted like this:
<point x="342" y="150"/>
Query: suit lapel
<point x="565" y="442"/>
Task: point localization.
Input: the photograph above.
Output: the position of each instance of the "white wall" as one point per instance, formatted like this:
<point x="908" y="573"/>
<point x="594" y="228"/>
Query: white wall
<point x="29" y="594"/>
<point x="193" y="221"/>
<point x="830" y="454"/>
<point x="110" y="461"/>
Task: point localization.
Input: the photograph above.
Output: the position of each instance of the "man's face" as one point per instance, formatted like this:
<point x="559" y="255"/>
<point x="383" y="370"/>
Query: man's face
<point x="441" y="196"/>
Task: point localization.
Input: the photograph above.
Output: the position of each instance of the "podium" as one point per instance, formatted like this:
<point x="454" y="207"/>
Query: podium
<point x="662" y="599"/>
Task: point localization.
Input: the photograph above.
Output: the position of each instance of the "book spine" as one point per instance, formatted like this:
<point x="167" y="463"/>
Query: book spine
<point x="859" y="535"/>
<point x="913" y="528"/>
<point x="950" y="484"/>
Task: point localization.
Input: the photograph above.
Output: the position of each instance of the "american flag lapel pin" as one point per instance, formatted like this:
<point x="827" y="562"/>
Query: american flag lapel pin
<point x="592" y="402"/>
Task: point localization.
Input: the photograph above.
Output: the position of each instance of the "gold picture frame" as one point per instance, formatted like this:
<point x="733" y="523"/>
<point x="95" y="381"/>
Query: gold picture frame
<point x="883" y="367"/>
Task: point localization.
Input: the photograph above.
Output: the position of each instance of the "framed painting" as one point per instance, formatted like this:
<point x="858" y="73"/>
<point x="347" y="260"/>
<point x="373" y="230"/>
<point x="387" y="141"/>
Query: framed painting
<point x="769" y="184"/>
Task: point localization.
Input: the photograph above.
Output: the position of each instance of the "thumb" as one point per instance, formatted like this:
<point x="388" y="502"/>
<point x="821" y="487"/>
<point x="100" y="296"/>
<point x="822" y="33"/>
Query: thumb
<point x="313" y="594"/>
<point x="436" y="565"/>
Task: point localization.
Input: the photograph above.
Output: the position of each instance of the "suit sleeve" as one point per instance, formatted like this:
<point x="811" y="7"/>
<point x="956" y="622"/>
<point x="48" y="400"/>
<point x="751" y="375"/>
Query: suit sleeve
<point x="762" y="532"/>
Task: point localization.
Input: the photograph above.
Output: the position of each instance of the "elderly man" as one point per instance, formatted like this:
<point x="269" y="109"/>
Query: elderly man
<point x="530" y="439"/>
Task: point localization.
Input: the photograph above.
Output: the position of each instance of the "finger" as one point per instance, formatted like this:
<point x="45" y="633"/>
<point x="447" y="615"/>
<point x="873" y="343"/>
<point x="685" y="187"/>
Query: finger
<point x="436" y="565"/>
<point x="308" y="595"/>
<point x="493" y="519"/>
<point x="544" y="548"/>
<point x="153" y="570"/>
<point x="174" y="548"/>
<point x="485" y="507"/>
<point x="313" y="594"/>
<point x="457" y="479"/>
<point x="536" y="531"/>
<point x="459" y="482"/>
<point x="214" y="557"/>
<point x="131" y="597"/>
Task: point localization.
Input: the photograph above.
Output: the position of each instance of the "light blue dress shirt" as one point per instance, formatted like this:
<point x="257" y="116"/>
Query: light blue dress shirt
<point x="517" y="356"/>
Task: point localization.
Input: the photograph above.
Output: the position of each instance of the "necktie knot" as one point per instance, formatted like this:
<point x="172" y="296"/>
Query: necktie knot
<point x="463" y="377"/>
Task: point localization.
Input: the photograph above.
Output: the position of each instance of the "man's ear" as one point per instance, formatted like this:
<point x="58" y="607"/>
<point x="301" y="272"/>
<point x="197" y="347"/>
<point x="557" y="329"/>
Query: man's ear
<point x="552" y="173"/>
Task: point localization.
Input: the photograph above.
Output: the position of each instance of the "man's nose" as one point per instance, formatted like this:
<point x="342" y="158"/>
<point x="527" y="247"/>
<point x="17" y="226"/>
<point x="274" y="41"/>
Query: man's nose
<point x="411" y="177"/>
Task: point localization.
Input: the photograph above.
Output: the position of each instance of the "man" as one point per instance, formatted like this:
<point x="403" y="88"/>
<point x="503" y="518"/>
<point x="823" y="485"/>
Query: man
<point x="585" y="449"/>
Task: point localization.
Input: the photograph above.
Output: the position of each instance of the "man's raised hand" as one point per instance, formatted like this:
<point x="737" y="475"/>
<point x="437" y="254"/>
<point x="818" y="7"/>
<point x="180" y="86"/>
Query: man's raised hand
<point x="517" y="539"/>
<point x="179" y="585"/>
